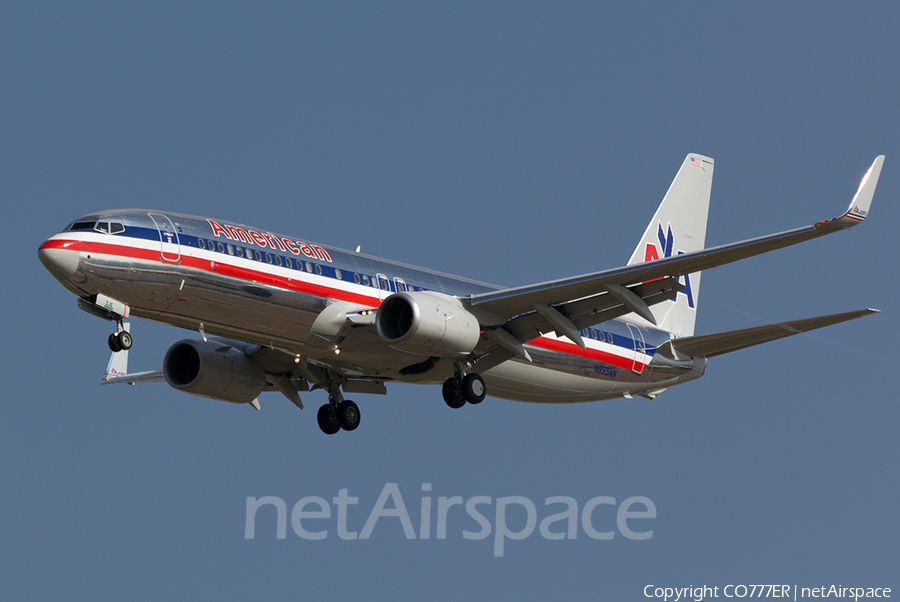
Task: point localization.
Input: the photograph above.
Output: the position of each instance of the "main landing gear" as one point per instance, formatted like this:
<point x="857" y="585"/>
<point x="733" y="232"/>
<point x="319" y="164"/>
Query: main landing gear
<point x="334" y="416"/>
<point x="457" y="391"/>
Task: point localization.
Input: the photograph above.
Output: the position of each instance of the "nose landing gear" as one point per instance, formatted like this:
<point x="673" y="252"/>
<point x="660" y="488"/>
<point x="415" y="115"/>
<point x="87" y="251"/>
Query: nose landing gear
<point x="120" y="340"/>
<point x="110" y="309"/>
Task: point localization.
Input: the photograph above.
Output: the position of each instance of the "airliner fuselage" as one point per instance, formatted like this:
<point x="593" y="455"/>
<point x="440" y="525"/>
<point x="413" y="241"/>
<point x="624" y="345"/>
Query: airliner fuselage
<point x="268" y="289"/>
<point x="276" y="312"/>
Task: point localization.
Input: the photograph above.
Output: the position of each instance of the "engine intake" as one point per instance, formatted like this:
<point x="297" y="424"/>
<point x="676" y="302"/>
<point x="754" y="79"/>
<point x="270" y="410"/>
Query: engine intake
<point x="427" y="324"/>
<point x="213" y="369"/>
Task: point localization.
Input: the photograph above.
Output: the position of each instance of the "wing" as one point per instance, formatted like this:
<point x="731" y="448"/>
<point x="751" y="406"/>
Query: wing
<point x="570" y="304"/>
<point x="711" y="345"/>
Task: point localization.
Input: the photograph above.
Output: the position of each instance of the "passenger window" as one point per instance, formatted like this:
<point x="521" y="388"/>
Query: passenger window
<point x="221" y="248"/>
<point x="609" y="338"/>
<point x="383" y="283"/>
<point x="278" y="260"/>
<point x="230" y="249"/>
<point x="356" y="278"/>
<point x="365" y="280"/>
<point x="201" y="243"/>
<point x="337" y="274"/>
<point x="309" y="267"/>
<point x="258" y="256"/>
<point x="318" y="269"/>
<point x="268" y="258"/>
<point x="288" y="263"/>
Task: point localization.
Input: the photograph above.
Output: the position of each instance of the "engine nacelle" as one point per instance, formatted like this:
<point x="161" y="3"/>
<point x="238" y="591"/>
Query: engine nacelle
<point x="213" y="369"/>
<point x="427" y="324"/>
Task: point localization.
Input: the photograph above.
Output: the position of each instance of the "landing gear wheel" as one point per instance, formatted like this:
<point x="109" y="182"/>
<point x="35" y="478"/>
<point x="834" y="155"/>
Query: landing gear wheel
<point x="348" y="415"/>
<point x="119" y="341"/>
<point x="124" y="340"/>
<point x="473" y="388"/>
<point x="327" y="420"/>
<point x="453" y="395"/>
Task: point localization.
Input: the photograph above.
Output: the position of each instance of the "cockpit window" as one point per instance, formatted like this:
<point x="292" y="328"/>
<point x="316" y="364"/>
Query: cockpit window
<point x="105" y="227"/>
<point x="82" y="226"/>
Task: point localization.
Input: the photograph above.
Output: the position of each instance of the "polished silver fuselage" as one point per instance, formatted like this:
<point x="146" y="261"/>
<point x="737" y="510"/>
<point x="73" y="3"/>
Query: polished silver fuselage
<point x="164" y="268"/>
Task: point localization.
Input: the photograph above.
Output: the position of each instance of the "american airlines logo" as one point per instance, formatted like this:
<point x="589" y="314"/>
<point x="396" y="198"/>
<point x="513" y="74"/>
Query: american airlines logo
<point x="265" y="239"/>
<point x="666" y="245"/>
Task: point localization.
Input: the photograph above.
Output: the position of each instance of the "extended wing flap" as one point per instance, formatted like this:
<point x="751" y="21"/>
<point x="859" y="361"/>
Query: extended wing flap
<point x="593" y="305"/>
<point x="593" y="310"/>
<point x="711" y="345"/>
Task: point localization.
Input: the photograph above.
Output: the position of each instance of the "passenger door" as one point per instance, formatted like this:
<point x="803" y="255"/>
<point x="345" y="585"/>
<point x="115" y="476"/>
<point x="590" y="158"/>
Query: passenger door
<point x="170" y="244"/>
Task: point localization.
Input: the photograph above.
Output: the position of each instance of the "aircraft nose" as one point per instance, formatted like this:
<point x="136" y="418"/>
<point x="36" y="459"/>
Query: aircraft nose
<point x="60" y="262"/>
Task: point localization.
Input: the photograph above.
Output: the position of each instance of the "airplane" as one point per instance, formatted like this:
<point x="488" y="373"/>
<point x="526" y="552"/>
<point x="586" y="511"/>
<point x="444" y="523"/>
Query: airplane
<point x="277" y="313"/>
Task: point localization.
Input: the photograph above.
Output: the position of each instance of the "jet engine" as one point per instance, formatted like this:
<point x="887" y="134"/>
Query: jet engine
<point x="427" y="324"/>
<point x="215" y="370"/>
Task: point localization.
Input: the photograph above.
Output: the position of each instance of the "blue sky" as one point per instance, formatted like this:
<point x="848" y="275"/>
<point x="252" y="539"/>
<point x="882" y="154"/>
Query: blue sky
<point x="508" y="142"/>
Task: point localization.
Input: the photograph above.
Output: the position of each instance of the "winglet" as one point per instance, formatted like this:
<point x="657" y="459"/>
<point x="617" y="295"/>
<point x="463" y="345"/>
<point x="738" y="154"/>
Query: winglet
<point x="859" y="206"/>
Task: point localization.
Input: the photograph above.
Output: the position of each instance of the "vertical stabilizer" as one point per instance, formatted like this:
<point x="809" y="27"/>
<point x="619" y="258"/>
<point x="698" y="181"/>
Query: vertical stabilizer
<point x="679" y="226"/>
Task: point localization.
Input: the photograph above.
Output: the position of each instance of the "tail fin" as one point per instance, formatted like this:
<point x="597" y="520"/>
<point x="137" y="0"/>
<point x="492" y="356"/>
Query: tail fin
<point x="679" y="226"/>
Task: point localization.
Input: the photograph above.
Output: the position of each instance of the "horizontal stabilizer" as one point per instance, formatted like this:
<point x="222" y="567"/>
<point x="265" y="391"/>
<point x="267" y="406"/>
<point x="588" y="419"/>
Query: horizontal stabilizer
<point x="711" y="345"/>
